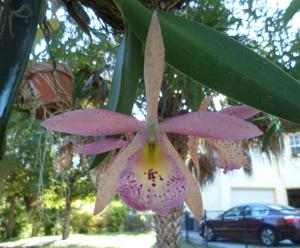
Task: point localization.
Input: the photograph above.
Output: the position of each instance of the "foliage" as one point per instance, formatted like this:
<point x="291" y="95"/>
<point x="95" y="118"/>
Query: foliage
<point x="138" y="221"/>
<point x="113" y="216"/>
<point x="21" y="223"/>
<point x="52" y="221"/>
<point x="293" y="8"/>
<point x="81" y="222"/>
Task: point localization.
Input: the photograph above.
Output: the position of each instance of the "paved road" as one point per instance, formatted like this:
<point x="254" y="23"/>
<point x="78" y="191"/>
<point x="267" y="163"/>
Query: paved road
<point x="195" y="238"/>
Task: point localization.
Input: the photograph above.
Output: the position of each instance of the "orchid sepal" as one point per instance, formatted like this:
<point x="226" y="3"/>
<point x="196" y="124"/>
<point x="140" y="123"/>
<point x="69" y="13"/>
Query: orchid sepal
<point x="153" y="67"/>
<point x="210" y="125"/>
<point x="242" y="111"/>
<point x="193" y="198"/>
<point x="107" y="188"/>
<point x="93" y="122"/>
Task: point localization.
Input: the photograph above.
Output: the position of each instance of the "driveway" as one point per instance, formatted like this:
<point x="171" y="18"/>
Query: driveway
<point x="194" y="237"/>
<point x="233" y="244"/>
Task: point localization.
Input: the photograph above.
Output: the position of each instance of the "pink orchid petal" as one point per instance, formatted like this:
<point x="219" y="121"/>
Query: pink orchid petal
<point x="231" y="154"/>
<point x="231" y="167"/>
<point x="153" y="66"/>
<point x="193" y="198"/>
<point x="193" y="150"/>
<point x="101" y="146"/>
<point x="210" y="125"/>
<point x="242" y="112"/>
<point x="152" y="180"/>
<point x="92" y="122"/>
<point x="108" y="184"/>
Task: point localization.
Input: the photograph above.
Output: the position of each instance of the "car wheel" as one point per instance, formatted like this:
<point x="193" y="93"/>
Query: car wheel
<point x="210" y="234"/>
<point x="268" y="236"/>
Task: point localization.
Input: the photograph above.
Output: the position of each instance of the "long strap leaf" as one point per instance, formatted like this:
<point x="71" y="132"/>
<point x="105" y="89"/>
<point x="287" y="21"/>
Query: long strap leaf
<point x="18" y="24"/>
<point x="293" y="8"/>
<point x="126" y="76"/>
<point x="220" y="62"/>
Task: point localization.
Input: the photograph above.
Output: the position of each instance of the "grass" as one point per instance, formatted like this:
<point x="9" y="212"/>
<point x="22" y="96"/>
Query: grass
<point x="103" y="240"/>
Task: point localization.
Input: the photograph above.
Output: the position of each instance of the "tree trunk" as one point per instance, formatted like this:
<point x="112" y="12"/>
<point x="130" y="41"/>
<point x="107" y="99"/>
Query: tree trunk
<point x="33" y="208"/>
<point x="35" y="229"/>
<point x="36" y="220"/>
<point x="67" y="218"/>
<point x="168" y="229"/>
<point x="11" y="217"/>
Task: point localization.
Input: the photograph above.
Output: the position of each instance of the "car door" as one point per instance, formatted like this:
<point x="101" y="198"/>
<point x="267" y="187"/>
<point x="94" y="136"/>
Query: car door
<point x="231" y="223"/>
<point x="254" y="219"/>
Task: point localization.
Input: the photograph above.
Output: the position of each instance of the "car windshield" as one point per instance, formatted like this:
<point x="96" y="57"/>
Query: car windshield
<point x="284" y="209"/>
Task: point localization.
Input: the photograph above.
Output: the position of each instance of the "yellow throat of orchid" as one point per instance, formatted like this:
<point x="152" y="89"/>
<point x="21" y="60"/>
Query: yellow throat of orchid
<point x="151" y="152"/>
<point x="153" y="163"/>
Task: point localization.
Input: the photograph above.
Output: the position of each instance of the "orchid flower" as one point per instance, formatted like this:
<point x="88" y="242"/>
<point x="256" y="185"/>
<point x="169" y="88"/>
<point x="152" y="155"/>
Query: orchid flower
<point x="148" y="173"/>
<point x="230" y="153"/>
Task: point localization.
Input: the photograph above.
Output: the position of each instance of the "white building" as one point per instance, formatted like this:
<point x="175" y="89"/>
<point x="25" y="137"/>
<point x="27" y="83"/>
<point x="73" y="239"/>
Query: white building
<point x="271" y="181"/>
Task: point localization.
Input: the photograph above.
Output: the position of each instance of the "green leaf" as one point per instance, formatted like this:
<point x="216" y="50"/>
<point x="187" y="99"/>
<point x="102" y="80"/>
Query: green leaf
<point x="54" y="25"/>
<point x="293" y="8"/>
<point x="15" y="44"/>
<point x="220" y="62"/>
<point x="273" y="127"/>
<point x="126" y="76"/>
<point x="3" y="145"/>
<point x="117" y="78"/>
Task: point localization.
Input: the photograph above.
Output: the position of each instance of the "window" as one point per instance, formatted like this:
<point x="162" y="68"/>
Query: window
<point x="256" y="211"/>
<point x="233" y="212"/>
<point x="294" y="197"/>
<point x="295" y="145"/>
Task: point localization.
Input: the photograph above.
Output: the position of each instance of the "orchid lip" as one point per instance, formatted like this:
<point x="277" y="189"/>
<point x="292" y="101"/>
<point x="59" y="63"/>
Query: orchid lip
<point x="152" y="179"/>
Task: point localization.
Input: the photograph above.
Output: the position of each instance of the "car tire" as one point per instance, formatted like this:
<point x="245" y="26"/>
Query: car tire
<point x="268" y="236"/>
<point x="210" y="234"/>
<point x="296" y="241"/>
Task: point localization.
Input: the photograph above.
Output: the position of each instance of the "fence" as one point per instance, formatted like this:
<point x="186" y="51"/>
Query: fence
<point x="248" y="224"/>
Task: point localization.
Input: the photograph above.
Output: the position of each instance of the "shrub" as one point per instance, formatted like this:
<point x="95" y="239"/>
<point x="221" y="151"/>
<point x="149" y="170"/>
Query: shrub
<point x="113" y="218"/>
<point x="137" y="221"/>
<point x="97" y="224"/>
<point x="52" y="221"/>
<point x="81" y="222"/>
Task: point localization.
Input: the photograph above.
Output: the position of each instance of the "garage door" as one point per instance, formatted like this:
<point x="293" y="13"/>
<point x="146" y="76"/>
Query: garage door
<point x="244" y="195"/>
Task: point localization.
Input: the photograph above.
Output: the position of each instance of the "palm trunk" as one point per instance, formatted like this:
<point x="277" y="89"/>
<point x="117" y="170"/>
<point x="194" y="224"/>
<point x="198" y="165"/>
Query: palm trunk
<point x="11" y="217"/>
<point x="67" y="218"/>
<point x="168" y="229"/>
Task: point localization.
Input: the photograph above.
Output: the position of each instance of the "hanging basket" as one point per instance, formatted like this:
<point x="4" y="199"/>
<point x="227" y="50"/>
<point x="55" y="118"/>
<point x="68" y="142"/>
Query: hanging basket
<point x="46" y="90"/>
